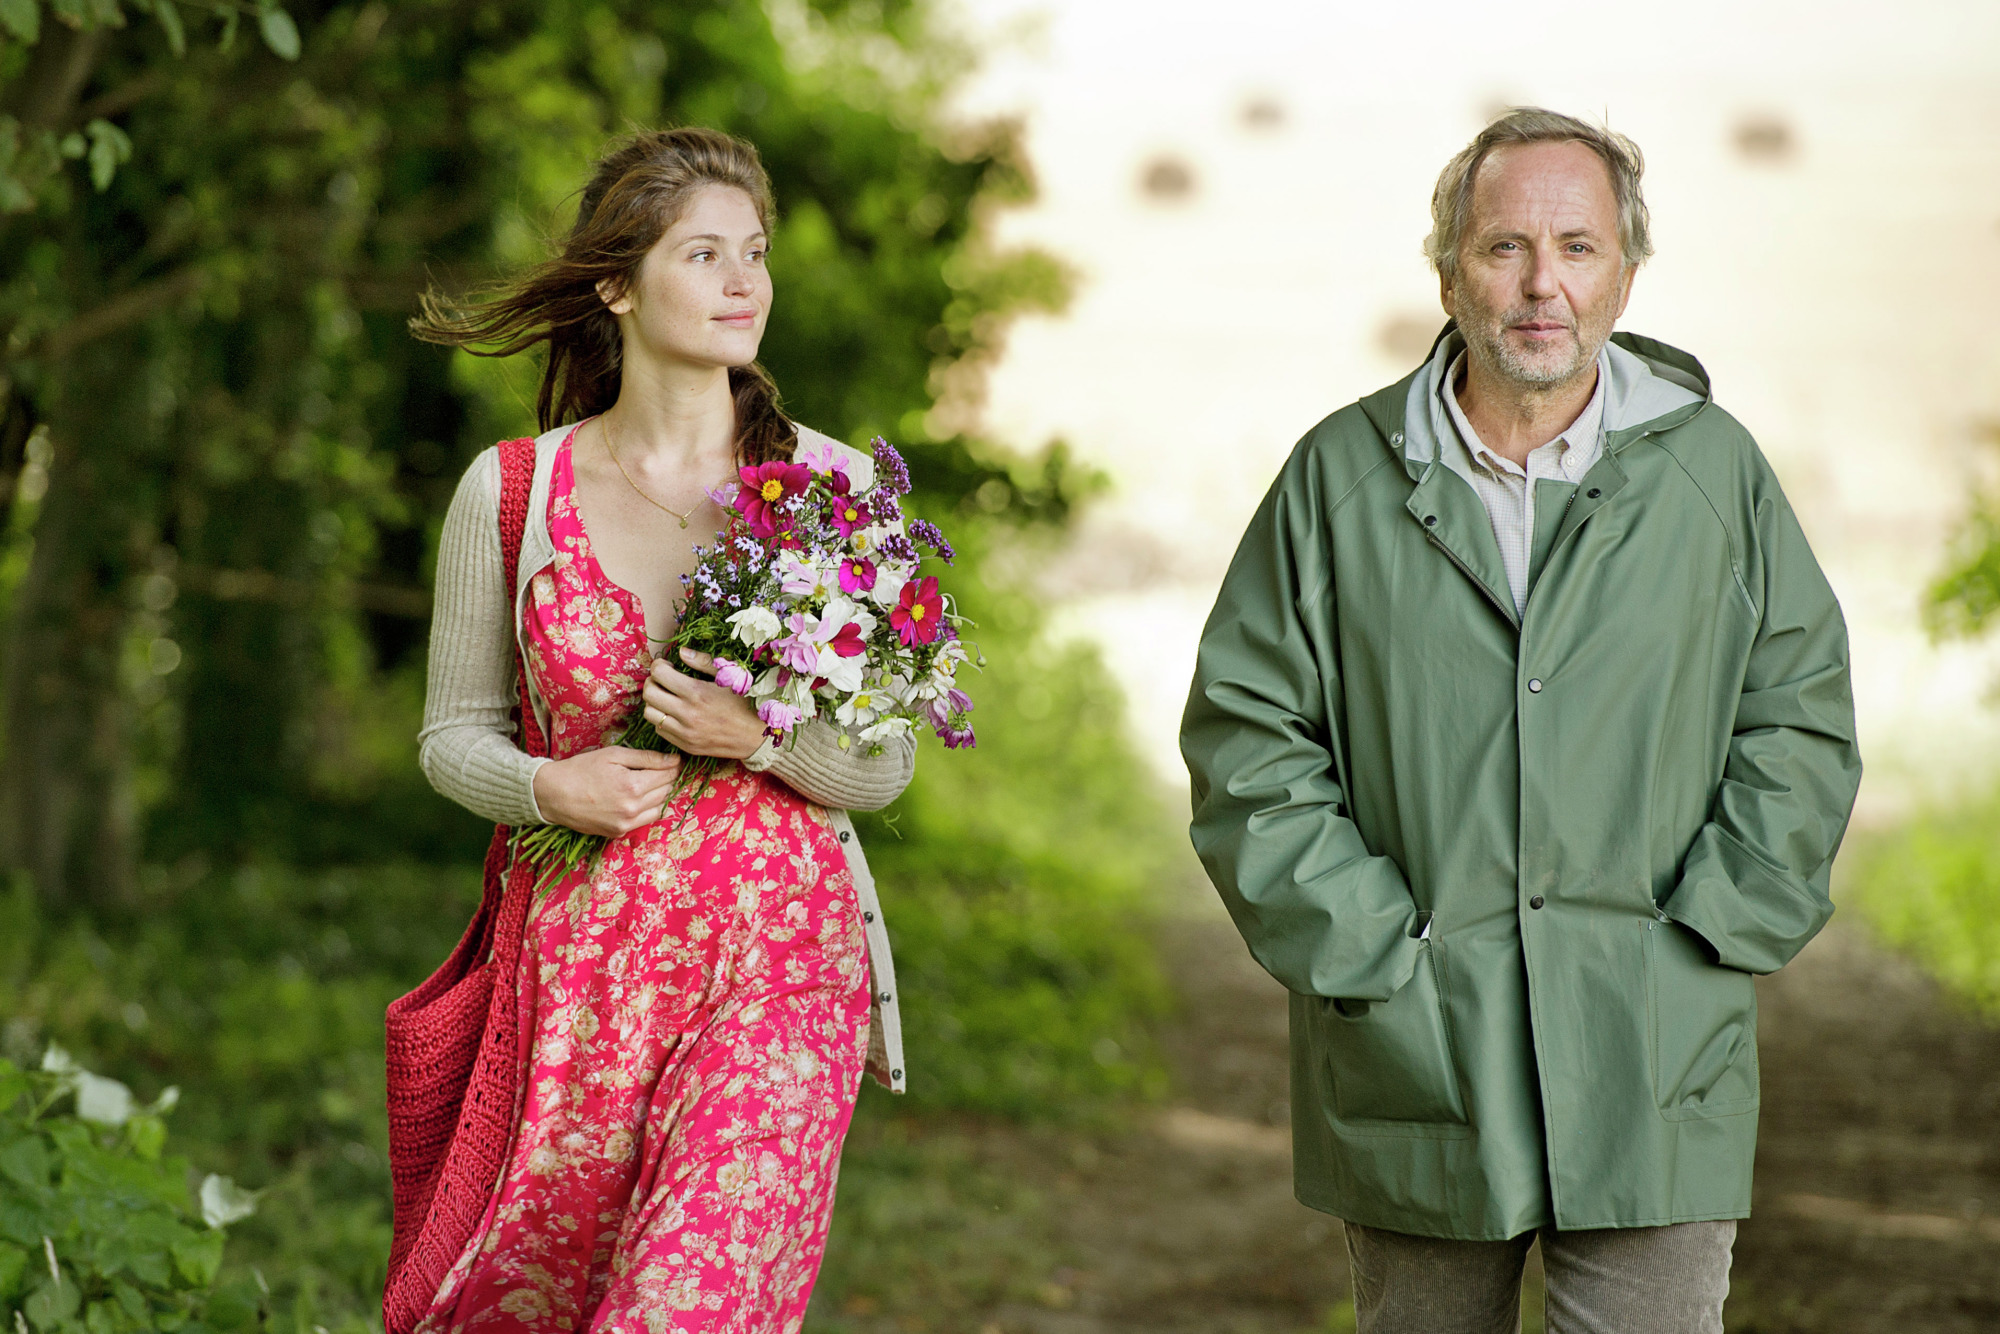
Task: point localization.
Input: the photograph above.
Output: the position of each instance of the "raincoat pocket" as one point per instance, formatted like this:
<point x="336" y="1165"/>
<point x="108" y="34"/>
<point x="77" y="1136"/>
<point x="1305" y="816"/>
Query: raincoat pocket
<point x="1704" y="1028"/>
<point x="1392" y="1060"/>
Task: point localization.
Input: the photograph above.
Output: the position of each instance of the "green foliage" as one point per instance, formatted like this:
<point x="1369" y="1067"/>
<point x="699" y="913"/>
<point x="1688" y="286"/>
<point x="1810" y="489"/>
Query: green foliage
<point x="1931" y="888"/>
<point x="1965" y="599"/>
<point x="1020" y="877"/>
<point x="247" y="456"/>
<point x="261" y="990"/>
<point x="929" y="1232"/>
<point x="98" y="1232"/>
<point x="34" y="147"/>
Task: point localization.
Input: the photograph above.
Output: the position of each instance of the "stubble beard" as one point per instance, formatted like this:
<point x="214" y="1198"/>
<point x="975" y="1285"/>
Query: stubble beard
<point x="1534" y="368"/>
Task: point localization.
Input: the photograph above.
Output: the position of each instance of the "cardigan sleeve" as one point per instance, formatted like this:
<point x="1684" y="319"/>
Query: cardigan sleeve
<point x="467" y="745"/>
<point x="816" y="767"/>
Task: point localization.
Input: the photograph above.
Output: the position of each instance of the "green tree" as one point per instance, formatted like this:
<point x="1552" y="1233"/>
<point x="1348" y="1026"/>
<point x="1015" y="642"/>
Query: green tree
<point x="230" y="458"/>
<point x="1965" y="600"/>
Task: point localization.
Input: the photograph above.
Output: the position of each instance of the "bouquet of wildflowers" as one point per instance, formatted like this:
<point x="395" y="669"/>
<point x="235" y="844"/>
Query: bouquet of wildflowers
<point x="813" y="603"/>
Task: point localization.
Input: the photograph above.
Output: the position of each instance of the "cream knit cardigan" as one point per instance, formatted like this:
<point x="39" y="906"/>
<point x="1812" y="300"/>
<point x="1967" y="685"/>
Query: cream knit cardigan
<point x="467" y="745"/>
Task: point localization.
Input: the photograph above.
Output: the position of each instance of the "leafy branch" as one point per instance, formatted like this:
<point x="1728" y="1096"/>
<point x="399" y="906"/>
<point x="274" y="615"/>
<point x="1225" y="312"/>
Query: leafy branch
<point x="35" y="144"/>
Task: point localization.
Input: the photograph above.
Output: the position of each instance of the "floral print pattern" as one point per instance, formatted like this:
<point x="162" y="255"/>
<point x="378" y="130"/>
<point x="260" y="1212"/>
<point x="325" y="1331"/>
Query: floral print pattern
<point x="694" y="1015"/>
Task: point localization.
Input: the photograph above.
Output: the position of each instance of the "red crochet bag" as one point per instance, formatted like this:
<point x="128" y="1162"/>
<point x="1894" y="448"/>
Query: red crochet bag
<point x="454" y="1049"/>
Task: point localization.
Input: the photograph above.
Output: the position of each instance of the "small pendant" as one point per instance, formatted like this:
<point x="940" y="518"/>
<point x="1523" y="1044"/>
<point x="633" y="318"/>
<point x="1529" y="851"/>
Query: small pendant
<point x="684" y="522"/>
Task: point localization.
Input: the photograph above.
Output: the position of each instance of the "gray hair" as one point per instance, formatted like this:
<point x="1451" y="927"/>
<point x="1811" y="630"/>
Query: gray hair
<point x="1451" y="202"/>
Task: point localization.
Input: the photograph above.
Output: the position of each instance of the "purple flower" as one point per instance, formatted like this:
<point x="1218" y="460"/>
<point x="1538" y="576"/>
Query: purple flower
<point x="888" y="510"/>
<point x="956" y="737"/>
<point x="891" y="473"/>
<point x="898" y="548"/>
<point x="926" y="532"/>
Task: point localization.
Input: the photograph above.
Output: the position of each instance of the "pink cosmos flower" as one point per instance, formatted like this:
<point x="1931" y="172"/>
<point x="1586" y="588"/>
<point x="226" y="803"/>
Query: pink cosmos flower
<point x="857" y="574"/>
<point x="822" y="459"/>
<point x="918" y="612"/>
<point x="797" y="650"/>
<point x="763" y="488"/>
<point x="779" y="717"/>
<point x="732" y="676"/>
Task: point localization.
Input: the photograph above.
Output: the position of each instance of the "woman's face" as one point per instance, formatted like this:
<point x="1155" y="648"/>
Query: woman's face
<point x="702" y="292"/>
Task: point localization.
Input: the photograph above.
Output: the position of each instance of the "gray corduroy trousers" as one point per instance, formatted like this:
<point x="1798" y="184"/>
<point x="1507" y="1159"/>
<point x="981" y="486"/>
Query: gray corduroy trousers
<point x="1640" y="1280"/>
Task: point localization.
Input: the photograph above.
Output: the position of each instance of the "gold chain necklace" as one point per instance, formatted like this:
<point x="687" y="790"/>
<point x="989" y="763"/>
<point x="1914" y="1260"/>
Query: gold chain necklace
<point x="612" y="449"/>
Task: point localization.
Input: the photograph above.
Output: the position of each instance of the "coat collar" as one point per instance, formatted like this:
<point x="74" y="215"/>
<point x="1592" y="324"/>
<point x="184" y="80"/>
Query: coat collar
<point x="1654" y="387"/>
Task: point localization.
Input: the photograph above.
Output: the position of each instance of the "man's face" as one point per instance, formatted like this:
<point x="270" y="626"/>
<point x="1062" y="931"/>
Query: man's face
<point x="1541" y="280"/>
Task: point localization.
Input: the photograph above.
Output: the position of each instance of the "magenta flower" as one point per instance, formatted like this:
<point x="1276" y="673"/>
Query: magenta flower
<point x="847" y="641"/>
<point x="850" y="514"/>
<point x="956" y="737"/>
<point x="918" y="613"/>
<point x="857" y="574"/>
<point x="732" y="676"/>
<point x="763" y="489"/>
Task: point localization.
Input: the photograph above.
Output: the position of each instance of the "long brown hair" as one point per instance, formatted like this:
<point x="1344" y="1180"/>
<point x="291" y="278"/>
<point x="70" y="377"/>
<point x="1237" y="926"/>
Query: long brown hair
<point x="637" y="191"/>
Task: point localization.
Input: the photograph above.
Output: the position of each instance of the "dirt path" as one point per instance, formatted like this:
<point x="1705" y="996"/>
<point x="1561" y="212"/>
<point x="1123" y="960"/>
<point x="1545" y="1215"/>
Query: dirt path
<point x="1878" y="1183"/>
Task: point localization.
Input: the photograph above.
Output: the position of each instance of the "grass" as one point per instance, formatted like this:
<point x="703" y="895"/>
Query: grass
<point x="1931" y="889"/>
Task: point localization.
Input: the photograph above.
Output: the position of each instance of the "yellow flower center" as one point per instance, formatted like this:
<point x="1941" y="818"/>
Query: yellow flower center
<point x="850" y="514"/>
<point x="771" y="490"/>
<point x="916" y="611"/>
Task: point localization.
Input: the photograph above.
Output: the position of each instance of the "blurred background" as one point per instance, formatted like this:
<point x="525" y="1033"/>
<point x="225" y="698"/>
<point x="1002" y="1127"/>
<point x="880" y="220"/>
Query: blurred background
<point x="1097" y="266"/>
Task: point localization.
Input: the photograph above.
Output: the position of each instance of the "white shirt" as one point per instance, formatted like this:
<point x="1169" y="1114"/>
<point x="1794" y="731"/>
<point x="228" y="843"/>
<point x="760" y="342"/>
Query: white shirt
<point x="1506" y="488"/>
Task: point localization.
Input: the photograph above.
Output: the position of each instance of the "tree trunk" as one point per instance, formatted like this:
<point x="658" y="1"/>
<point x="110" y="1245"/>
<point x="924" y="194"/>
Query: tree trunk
<point x="65" y="796"/>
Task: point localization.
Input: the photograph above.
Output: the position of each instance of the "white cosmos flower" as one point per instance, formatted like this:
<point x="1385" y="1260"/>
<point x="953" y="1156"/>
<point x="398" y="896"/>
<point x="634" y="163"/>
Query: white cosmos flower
<point x="889" y="582"/>
<point x="861" y="708"/>
<point x="840" y="611"/>
<point x="756" y="625"/>
<point x="886" y="730"/>
<point x="843" y="674"/>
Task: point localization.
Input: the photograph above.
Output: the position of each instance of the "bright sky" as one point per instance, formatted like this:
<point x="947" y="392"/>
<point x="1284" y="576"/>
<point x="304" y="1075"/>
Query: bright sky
<point x="1825" y="187"/>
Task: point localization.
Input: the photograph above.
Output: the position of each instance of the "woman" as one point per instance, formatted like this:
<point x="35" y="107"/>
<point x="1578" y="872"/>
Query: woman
<point x="695" y="1010"/>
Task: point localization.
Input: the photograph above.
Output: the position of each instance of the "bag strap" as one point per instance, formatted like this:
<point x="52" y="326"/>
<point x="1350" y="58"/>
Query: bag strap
<point x="517" y="480"/>
<point x="509" y="882"/>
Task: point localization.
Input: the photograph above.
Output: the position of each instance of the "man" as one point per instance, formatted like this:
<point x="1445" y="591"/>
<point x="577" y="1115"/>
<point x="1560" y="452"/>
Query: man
<point x="1521" y="737"/>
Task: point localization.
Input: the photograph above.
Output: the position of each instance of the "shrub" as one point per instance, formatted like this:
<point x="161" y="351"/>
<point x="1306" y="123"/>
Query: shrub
<point x="99" y="1230"/>
<point x="1932" y="889"/>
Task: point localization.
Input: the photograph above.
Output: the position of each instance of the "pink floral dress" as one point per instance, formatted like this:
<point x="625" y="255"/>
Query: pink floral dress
<point x="694" y="1016"/>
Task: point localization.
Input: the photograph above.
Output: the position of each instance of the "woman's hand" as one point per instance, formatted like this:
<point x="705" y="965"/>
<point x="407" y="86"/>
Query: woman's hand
<point x="608" y="792"/>
<point x="701" y="717"/>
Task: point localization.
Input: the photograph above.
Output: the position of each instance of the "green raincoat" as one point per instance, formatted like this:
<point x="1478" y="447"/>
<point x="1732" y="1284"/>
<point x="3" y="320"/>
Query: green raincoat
<point x="1517" y="872"/>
